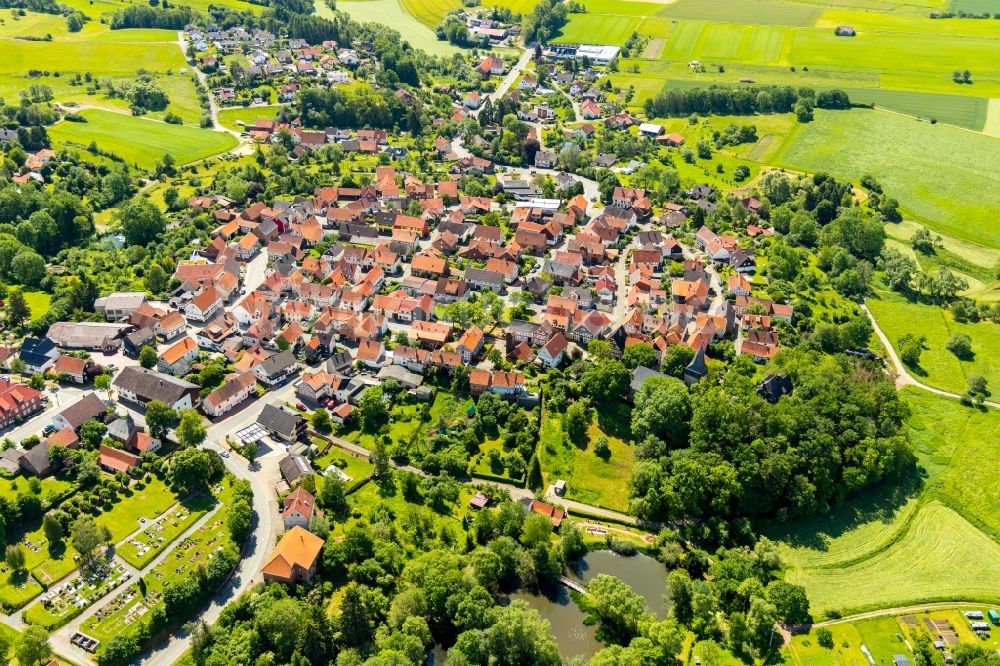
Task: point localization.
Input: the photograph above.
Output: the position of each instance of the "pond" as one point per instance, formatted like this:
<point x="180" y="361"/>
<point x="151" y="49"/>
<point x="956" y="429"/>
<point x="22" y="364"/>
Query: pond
<point x="644" y="574"/>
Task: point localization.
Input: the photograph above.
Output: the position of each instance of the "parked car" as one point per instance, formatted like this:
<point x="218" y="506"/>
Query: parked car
<point x="299" y="406"/>
<point x="49" y="429"/>
<point x="224" y="453"/>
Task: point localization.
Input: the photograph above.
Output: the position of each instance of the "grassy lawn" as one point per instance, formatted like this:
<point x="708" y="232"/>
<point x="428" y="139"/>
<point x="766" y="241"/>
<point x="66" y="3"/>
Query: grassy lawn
<point x="947" y="178"/>
<point x="482" y="461"/>
<point x="354" y="466"/>
<point x="17" y="590"/>
<point x="404" y="422"/>
<point x="51" y="564"/>
<point x="934" y="539"/>
<point x="38" y="302"/>
<point x="67" y="601"/>
<point x="228" y="117"/>
<point x="140" y="141"/>
<point x="52" y="487"/>
<point x="588" y="478"/>
<point x="148" y="503"/>
<point x="938" y="366"/>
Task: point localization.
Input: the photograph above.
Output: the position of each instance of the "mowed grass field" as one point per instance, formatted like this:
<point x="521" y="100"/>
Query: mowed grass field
<point x="140" y="141"/>
<point x="939" y="368"/>
<point x="600" y="28"/>
<point x="936" y="536"/>
<point x="960" y="110"/>
<point x="938" y="557"/>
<point x="947" y="178"/>
<point x="228" y="117"/>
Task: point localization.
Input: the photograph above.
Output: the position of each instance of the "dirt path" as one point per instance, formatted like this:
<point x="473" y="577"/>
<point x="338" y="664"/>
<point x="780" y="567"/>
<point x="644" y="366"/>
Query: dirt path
<point x="897" y="610"/>
<point x="903" y="377"/>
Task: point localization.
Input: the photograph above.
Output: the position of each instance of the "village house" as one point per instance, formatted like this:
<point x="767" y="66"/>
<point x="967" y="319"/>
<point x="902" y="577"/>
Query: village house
<point x="141" y="386"/>
<point x="295" y="557"/>
<point x="299" y="508"/>
<point x="176" y="359"/>
<point x="227" y="397"/>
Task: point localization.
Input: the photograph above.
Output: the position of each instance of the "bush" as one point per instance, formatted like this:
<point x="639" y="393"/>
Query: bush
<point x="825" y="637"/>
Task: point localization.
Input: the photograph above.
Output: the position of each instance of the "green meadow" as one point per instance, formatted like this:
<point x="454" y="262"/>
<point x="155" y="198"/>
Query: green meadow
<point x="947" y="178"/>
<point x="932" y="536"/>
<point x="95" y="9"/>
<point x="939" y="367"/>
<point x="95" y="50"/>
<point x="393" y="14"/>
<point x="589" y="478"/>
<point x="140" y="141"/>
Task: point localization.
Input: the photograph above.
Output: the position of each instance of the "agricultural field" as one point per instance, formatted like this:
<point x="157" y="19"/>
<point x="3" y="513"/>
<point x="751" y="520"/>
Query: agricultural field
<point x="761" y="12"/>
<point x="960" y="110"/>
<point x="945" y="177"/>
<point x="430" y="12"/>
<point x="392" y="13"/>
<point x="228" y="117"/>
<point x="583" y="28"/>
<point x="939" y="367"/>
<point x="96" y="50"/>
<point x="140" y="141"/>
<point x="517" y="6"/>
<point x="589" y="478"/>
<point x="917" y="540"/>
<point x="95" y="9"/>
<point x="938" y="556"/>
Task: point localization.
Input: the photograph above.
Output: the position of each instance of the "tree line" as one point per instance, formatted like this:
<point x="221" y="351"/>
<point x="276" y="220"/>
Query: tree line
<point x="746" y="100"/>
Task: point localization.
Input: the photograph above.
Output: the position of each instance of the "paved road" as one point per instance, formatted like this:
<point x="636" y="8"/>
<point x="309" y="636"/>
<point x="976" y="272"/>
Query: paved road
<point x="266" y="524"/>
<point x="58" y="400"/>
<point x="254" y="272"/>
<point x="511" y="76"/>
<point x="61" y="637"/>
<point x="903" y="377"/>
<point x="203" y="79"/>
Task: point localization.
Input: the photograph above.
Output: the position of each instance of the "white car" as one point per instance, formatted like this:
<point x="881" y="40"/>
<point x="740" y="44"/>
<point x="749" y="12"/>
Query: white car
<point x="224" y="453"/>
